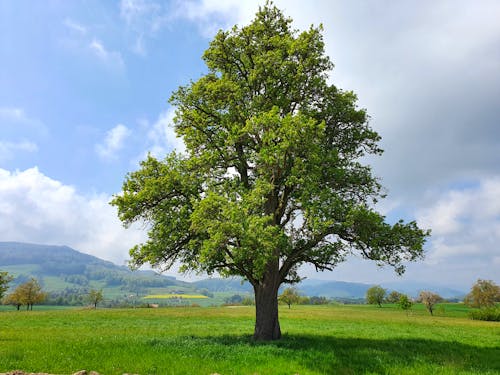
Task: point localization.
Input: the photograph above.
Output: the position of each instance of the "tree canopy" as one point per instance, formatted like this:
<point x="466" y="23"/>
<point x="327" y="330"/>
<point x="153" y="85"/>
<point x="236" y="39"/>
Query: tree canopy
<point x="484" y="293"/>
<point x="95" y="296"/>
<point x="375" y="295"/>
<point x="394" y="297"/>
<point x="28" y="293"/>
<point x="272" y="177"/>
<point x="429" y="299"/>
<point x="289" y="296"/>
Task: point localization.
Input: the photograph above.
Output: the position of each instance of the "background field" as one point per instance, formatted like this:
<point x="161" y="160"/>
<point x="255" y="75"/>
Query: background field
<point x="317" y="340"/>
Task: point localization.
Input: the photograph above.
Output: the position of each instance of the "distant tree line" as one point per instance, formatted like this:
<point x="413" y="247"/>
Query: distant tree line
<point x="484" y="295"/>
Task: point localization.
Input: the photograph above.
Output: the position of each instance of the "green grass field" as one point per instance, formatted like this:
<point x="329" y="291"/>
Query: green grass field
<point x="317" y="340"/>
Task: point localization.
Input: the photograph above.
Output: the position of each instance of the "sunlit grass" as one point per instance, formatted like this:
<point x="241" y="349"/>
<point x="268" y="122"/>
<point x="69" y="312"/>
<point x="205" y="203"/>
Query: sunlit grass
<point x="182" y="340"/>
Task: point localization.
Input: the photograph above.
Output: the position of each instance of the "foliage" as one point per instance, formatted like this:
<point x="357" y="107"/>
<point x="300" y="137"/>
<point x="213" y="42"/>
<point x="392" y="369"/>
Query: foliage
<point x="206" y="293"/>
<point x="95" y="296"/>
<point x="272" y="177"/>
<point x="183" y="340"/>
<point x="491" y="314"/>
<point x="289" y="296"/>
<point x="484" y="293"/>
<point x="27" y="294"/>
<point x="14" y="299"/>
<point x="318" y="300"/>
<point x="375" y="295"/>
<point x="394" y="297"/>
<point x="429" y="299"/>
<point x="234" y="299"/>
<point x="5" y="279"/>
<point x="67" y="297"/>
<point x="405" y="303"/>
<point x="247" y="301"/>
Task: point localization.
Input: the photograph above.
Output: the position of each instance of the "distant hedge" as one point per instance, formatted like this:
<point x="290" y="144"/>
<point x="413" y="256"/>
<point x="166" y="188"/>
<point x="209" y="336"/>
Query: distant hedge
<point x="489" y="314"/>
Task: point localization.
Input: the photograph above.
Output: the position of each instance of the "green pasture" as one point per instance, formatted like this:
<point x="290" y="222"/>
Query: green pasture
<point x="340" y="339"/>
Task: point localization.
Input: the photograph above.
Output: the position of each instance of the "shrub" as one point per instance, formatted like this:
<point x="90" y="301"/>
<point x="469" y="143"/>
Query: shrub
<point x="490" y="314"/>
<point x="248" y="301"/>
<point x="405" y="303"/>
<point x="394" y="297"/>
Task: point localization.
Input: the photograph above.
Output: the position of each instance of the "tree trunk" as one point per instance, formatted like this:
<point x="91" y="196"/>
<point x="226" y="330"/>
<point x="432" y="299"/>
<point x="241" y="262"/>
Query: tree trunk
<point x="267" y="326"/>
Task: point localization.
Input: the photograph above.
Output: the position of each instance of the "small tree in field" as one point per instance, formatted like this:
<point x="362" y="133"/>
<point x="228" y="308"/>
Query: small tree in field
<point x="95" y="296"/>
<point x="375" y="295"/>
<point x="289" y="296"/>
<point x="484" y="293"/>
<point x="273" y="174"/>
<point x="429" y="299"/>
<point x="5" y="279"/>
<point x="29" y="294"/>
<point x="13" y="299"/>
<point x="393" y="297"/>
<point x="405" y="303"/>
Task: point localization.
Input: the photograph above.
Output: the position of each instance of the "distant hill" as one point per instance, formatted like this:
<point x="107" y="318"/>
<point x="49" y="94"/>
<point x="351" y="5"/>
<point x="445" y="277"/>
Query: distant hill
<point x="234" y="284"/>
<point x="61" y="268"/>
<point x="332" y="289"/>
<point x="50" y="260"/>
<point x="413" y="288"/>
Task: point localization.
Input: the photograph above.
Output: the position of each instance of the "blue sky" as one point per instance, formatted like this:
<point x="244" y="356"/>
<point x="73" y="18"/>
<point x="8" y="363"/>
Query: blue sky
<point x="83" y="97"/>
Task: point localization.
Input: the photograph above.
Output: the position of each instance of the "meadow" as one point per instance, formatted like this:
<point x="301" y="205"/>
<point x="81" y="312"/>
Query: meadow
<point x="333" y="339"/>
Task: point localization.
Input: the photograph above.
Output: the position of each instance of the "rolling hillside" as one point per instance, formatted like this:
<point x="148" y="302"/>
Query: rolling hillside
<point x="63" y="269"/>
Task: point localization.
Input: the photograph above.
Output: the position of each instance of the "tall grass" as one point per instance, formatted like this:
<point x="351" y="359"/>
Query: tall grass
<point x="317" y="340"/>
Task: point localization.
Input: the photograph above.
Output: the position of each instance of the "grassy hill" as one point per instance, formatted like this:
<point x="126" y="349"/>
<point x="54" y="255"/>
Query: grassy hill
<point x="63" y="271"/>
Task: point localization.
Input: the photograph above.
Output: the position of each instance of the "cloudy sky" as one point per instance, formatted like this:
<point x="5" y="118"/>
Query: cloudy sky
<point x="83" y="97"/>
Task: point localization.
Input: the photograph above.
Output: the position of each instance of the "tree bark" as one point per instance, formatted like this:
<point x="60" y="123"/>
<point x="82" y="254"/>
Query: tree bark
<point x="267" y="326"/>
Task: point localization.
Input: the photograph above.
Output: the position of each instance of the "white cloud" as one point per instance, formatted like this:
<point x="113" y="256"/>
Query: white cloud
<point x="15" y="120"/>
<point x="9" y="149"/>
<point x="161" y="136"/>
<point x="465" y="226"/>
<point x="212" y="15"/>
<point x="144" y="19"/>
<point x="35" y="208"/>
<point x="75" y="26"/>
<point x="112" y="58"/>
<point x="113" y="142"/>
<point x="16" y="114"/>
<point x="17" y="131"/>
<point x="132" y="10"/>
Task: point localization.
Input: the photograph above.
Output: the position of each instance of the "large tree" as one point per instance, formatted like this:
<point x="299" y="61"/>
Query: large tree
<point x="272" y="177"/>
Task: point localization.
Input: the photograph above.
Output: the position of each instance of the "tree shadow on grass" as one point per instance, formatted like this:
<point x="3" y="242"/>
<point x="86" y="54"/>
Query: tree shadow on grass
<point x="331" y="355"/>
